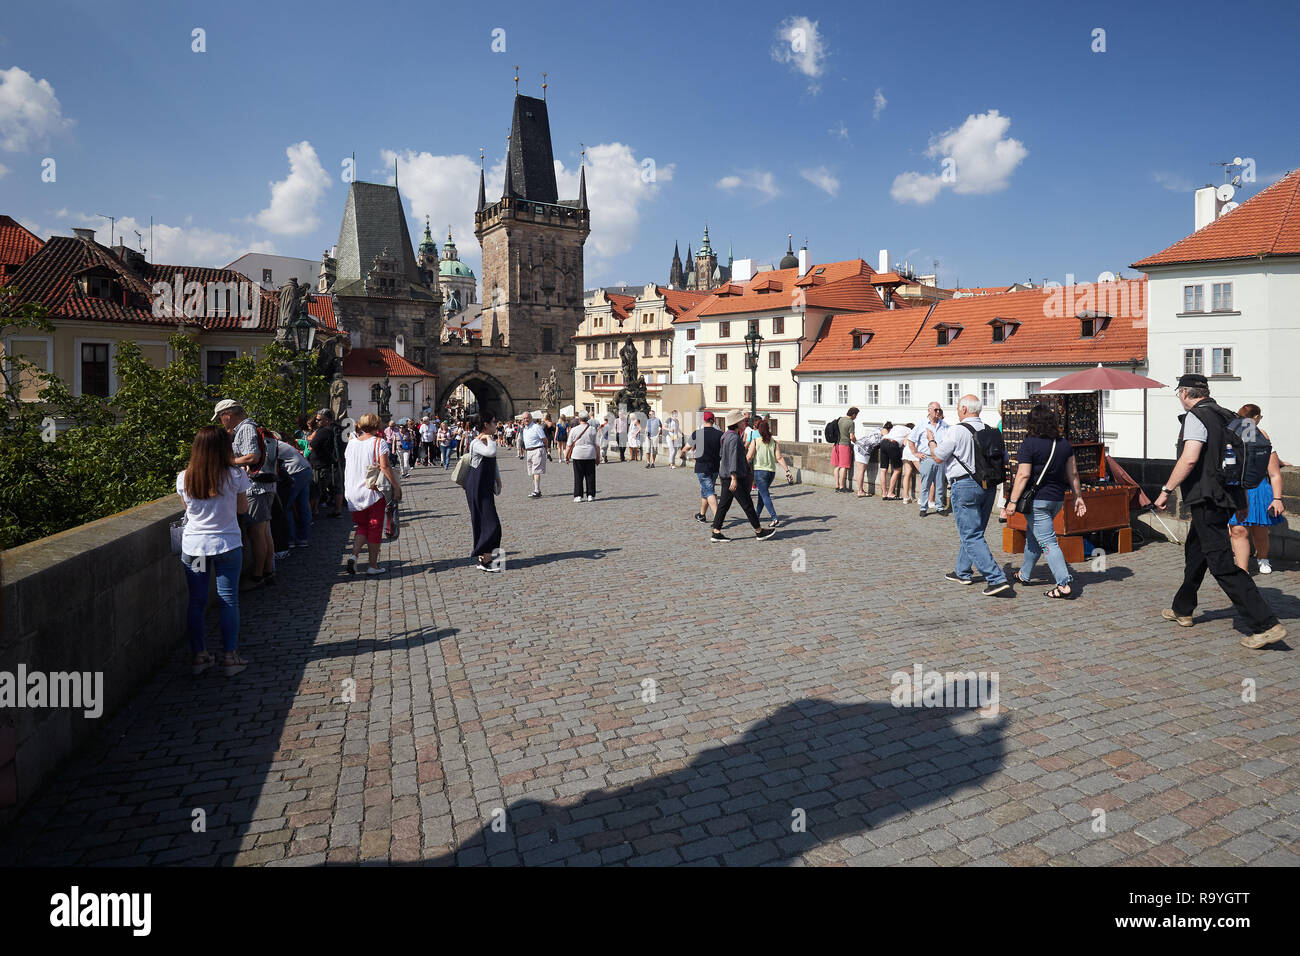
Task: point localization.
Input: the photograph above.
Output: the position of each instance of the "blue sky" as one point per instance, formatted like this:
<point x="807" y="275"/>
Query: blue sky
<point x="1068" y="160"/>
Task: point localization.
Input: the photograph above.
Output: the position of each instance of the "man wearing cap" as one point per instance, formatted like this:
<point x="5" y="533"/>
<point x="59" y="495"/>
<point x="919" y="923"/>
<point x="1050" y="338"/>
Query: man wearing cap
<point x="707" y="444"/>
<point x="533" y="444"/>
<point x="1203" y="443"/>
<point x="258" y="457"/>
<point x="737" y="477"/>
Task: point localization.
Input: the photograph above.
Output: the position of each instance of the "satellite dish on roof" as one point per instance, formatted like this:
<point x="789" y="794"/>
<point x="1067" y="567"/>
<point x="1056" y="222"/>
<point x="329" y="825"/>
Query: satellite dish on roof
<point x="1228" y="207"/>
<point x="1236" y="160"/>
<point x="1225" y="192"/>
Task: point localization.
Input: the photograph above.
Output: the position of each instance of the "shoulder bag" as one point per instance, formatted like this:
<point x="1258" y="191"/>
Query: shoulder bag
<point x="460" y="474"/>
<point x="375" y="479"/>
<point x="1027" y="496"/>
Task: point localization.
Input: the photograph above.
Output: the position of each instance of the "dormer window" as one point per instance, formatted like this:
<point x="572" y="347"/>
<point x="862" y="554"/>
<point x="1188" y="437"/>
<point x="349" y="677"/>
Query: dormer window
<point x="946" y="333"/>
<point x="97" y="287"/>
<point x="1003" y="329"/>
<point x="860" y="337"/>
<point x="1092" y="324"/>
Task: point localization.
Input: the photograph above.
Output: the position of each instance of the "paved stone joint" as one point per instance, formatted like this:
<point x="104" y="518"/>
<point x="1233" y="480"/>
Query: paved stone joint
<point x="628" y="693"/>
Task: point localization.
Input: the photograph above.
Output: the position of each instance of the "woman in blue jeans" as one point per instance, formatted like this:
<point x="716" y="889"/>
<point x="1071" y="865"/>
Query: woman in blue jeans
<point x="1045" y="465"/>
<point x="215" y="495"/>
<point x="765" y="454"/>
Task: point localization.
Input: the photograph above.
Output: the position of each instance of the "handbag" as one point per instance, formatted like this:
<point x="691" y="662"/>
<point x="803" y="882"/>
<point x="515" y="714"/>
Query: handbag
<point x="1027" y="496"/>
<point x="460" y="474"/>
<point x="375" y="478"/>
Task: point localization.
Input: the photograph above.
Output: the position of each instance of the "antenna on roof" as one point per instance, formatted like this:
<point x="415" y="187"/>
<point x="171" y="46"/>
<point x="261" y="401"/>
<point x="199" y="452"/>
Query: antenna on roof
<point x="112" y="221"/>
<point x="543" y="84"/>
<point x="516" y="79"/>
<point x="480" y="157"/>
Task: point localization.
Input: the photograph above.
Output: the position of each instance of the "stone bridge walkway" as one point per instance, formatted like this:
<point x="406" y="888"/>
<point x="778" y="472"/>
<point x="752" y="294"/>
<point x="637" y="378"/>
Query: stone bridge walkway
<point x="627" y="692"/>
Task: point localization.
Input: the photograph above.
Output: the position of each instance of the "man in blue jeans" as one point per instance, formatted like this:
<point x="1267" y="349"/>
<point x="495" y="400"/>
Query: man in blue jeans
<point x="933" y="481"/>
<point x="971" y="502"/>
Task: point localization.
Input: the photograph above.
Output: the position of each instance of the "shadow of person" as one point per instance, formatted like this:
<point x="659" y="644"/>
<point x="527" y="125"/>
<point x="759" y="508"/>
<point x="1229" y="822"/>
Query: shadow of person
<point x="810" y="773"/>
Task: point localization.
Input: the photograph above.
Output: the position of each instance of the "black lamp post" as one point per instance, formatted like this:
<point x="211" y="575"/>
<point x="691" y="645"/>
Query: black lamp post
<point x="303" y="330"/>
<point x="753" y="342"/>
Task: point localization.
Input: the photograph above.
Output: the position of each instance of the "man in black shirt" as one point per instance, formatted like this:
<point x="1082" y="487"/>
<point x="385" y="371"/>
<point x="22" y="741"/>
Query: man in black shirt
<point x="706" y="442"/>
<point x="1202" y="443"/>
<point x="326" y="460"/>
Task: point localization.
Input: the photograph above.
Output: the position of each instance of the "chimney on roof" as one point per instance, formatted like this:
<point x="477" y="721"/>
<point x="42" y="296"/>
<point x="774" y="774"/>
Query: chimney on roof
<point x="883" y="261"/>
<point x="1207" y="204"/>
<point x="803" y="259"/>
<point x="742" y="270"/>
<point x="84" y="234"/>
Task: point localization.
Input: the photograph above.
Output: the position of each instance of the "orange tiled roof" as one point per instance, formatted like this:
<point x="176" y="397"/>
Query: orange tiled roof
<point x="17" y="245"/>
<point x="840" y="285"/>
<point x="679" y="301"/>
<point x="981" y="290"/>
<point x="1267" y="224"/>
<point x="621" y="304"/>
<point x="371" y="363"/>
<point x="1048" y="332"/>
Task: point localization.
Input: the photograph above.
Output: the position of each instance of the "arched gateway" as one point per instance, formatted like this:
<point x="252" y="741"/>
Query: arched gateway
<point x="487" y="390"/>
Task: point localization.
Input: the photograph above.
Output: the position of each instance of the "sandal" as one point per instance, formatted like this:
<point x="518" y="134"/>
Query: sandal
<point x="1022" y="580"/>
<point x="1058" y="594"/>
<point x="232" y="664"/>
<point x="201" y="663"/>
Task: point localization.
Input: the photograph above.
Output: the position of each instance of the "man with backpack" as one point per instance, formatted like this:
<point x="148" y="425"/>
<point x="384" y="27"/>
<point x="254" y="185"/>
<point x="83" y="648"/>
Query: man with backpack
<point x="1211" y="459"/>
<point x="841" y="437"/>
<point x="976" y="465"/>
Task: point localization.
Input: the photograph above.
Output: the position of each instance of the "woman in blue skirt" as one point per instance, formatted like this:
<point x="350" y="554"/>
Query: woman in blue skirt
<point x="1263" y="508"/>
<point x="483" y="485"/>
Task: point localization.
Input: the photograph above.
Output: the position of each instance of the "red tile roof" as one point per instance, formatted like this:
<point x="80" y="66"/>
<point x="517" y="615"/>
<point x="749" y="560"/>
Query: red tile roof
<point x="320" y="307"/>
<point x="680" y="301"/>
<point x="1048" y="333"/>
<point x="981" y="290"/>
<point x="1267" y="224"/>
<point x="839" y="285"/>
<point x="620" y="304"/>
<point x="371" y="363"/>
<point x="17" y="245"/>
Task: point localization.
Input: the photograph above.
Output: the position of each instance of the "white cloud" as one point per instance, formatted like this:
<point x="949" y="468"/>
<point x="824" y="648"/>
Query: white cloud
<point x="755" y="180"/>
<point x="186" y="245"/>
<point x="618" y="183"/>
<point x="1173" y="182"/>
<point x="799" y="43"/>
<point x="29" y="111"/>
<point x="294" y="199"/>
<point x="841" y="131"/>
<point x="878" y="104"/>
<point x="977" y="157"/>
<point x="3" y="169"/>
<point x="821" y="178"/>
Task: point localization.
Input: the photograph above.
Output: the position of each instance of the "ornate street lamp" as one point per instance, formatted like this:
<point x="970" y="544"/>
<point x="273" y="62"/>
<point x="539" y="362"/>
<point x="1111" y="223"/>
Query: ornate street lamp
<point x="753" y="342"/>
<point x="302" y="330"/>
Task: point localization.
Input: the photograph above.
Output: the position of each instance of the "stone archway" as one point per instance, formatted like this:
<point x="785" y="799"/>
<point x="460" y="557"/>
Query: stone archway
<point x="487" y="390"/>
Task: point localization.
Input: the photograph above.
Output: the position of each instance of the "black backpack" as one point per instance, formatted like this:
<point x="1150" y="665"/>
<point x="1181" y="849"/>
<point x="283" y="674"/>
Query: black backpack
<point x="1253" y="455"/>
<point x="832" y="431"/>
<point x="990" y="456"/>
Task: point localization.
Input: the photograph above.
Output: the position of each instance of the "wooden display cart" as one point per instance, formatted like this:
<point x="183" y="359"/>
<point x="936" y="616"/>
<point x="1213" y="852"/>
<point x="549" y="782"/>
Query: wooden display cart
<point x="1106" y="497"/>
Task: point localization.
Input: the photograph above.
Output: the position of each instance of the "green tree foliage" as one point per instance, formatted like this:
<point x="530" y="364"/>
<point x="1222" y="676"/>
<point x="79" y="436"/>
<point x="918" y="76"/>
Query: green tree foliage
<point x="110" y="455"/>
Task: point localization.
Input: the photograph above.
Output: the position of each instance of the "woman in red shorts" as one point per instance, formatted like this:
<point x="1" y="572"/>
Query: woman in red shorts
<point x="366" y="504"/>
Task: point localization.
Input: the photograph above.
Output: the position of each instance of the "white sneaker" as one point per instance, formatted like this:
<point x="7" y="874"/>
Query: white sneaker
<point x="375" y="569"/>
<point x="591" y="497"/>
<point x="578" y="498"/>
<point x="1265" y="567"/>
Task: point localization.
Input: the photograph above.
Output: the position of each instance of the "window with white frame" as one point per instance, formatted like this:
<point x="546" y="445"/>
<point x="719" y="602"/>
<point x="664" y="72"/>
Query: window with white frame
<point x="817" y="394"/>
<point x="1221" y="296"/>
<point x="904" y="394"/>
<point x="588" y="382"/>
<point x="1032" y="389"/>
<point x="1221" y="361"/>
<point x="842" y="393"/>
<point x="818" y="431"/>
<point x="873" y="394"/>
<point x="954" y="393"/>
<point x="94" y="369"/>
<point x="1105" y="398"/>
<point x="1193" y="298"/>
<point x="988" y="393"/>
<point x="1193" y="361"/>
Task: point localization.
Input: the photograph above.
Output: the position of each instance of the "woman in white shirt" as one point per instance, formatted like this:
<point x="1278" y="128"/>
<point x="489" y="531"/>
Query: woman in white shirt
<point x="634" y="430"/>
<point x="215" y="494"/>
<point x="483" y="484"/>
<point x="582" y="451"/>
<point x="673" y="436"/>
<point x="367" y="505"/>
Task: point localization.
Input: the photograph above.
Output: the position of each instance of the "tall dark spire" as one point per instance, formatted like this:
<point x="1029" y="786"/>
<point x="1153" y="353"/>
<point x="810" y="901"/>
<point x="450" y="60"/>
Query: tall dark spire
<point x="530" y="164"/>
<point x="676" y="277"/>
<point x="482" y="191"/>
<point x="582" y="188"/>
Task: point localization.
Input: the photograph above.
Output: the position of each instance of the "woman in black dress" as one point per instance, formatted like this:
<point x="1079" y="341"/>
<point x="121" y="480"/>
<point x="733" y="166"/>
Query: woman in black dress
<point x="483" y="485"/>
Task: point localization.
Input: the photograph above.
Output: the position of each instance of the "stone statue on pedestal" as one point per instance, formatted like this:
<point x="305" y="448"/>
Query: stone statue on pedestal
<point x="385" y="396"/>
<point x="339" y="397"/>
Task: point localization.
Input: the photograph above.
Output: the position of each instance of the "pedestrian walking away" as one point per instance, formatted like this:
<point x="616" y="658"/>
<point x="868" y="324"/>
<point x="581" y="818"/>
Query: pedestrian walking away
<point x="737" y="479"/>
<point x="215" y="494"/>
<point x="764" y="455"/>
<point x="1263" y="484"/>
<point x="1209" y="471"/>
<point x="366" y="459"/>
<point x="707" y="442"/>
<point x="976" y="465"/>
<point x="481" y="489"/>
<point x="581" y="450"/>
<point x="1045" y="469"/>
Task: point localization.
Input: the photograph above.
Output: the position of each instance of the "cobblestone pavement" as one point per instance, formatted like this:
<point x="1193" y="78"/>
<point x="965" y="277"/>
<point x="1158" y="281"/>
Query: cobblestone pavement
<point x="628" y="692"/>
